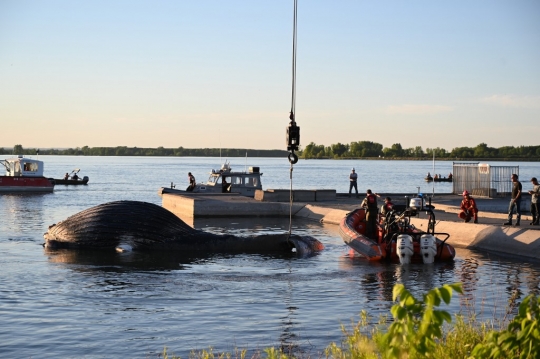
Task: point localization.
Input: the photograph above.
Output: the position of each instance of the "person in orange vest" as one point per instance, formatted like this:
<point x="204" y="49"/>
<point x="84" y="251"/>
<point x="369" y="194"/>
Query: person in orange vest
<point x="468" y="208"/>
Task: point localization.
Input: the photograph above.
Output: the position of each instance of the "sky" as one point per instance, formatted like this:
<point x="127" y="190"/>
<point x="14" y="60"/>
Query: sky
<point x="218" y="74"/>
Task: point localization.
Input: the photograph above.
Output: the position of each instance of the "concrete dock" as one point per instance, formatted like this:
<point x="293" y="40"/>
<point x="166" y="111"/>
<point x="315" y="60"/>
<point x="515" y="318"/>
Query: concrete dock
<point x="489" y="234"/>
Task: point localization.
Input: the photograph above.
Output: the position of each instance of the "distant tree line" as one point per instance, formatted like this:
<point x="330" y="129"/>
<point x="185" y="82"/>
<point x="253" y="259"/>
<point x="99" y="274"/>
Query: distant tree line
<point x="137" y="151"/>
<point x="368" y="149"/>
<point x="361" y="149"/>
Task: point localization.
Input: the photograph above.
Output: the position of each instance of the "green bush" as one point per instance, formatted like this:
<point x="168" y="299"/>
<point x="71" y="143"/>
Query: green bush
<point x="417" y="324"/>
<point x="520" y="340"/>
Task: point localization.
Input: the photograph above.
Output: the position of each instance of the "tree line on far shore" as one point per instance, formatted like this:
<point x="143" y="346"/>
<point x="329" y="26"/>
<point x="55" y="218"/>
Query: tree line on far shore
<point x="139" y="151"/>
<point x="368" y="149"/>
<point x="361" y="149"/>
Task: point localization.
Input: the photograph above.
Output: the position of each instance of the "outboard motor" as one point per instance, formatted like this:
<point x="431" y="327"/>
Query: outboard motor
<point x="416" y="204"/>
<point x="85" y="178"/>
<point x="428" y="248"/>
<point x="404" y="248"/>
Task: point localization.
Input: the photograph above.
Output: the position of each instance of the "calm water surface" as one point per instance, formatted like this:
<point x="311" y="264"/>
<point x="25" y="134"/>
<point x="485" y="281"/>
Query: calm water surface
<point x="70" y="304"/>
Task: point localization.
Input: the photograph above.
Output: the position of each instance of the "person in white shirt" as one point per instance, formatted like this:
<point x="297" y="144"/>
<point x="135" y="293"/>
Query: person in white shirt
<point x="353" y="179"/>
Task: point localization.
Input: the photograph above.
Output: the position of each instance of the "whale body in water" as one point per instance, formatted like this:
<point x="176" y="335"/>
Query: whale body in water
<point x="143" y="226"/>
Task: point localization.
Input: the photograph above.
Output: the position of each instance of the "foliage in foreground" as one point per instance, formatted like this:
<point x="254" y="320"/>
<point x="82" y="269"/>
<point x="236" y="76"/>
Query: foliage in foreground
<point x="419" y="331"/>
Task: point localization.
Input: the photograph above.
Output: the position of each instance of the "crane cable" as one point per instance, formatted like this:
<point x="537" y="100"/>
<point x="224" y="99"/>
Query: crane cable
<point x="293" y="131"/>
<point x="293" y="94"/>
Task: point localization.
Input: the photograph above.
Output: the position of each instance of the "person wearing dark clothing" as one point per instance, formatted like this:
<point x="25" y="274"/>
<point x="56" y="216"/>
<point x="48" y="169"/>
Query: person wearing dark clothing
<point x="192" y="182"/>
<point x="468" y="208"/>
<point x="353" y="179"/>
<point x="387" y="206"/>
<point x="535" y="193"/>
<point x="371" y="214"/>
<point x="75" y="177"/>
<point x="515" y="202"/>
<point x="226" y="187"/>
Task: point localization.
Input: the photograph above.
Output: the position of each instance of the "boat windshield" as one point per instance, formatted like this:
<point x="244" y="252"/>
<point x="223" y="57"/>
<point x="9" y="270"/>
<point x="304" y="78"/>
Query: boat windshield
<point x="213" y="178"/>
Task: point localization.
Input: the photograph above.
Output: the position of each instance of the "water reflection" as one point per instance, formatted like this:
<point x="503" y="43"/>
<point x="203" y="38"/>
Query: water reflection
<point x="378" y="286"/>
<point x="288" y="339"/>
<point x="507" y="282"/>
<point x="23" y="213"/>
<point x="106" y="261"/>
<point x="89" y="260"/>
<point x="513" y="279"/>
<point x="468" y="274"/>
<point x="532" y="280"/>
<point x="377" y="278"/>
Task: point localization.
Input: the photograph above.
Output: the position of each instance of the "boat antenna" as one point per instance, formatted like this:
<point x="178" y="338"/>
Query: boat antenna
<point x="433" y="184"/>
<point x="293" y="131"/>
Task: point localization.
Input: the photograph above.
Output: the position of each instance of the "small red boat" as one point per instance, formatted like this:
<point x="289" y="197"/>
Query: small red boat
<point x="397" y="239"/>
<point x="24" y="175"/>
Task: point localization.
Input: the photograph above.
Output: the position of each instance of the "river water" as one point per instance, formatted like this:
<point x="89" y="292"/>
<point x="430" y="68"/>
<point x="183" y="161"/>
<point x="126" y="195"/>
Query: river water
<point x="70" y="304"/>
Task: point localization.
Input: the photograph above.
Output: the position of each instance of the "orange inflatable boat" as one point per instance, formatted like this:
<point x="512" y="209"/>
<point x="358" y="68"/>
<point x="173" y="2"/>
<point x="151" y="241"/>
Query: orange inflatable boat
<point x="397" y="239"/>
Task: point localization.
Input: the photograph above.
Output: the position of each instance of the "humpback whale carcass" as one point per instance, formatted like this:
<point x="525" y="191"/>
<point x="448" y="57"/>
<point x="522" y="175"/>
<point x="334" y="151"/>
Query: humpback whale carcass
<point x="126" y="225"/>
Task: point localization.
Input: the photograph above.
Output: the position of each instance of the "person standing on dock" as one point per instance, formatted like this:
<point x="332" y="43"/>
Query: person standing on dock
<point x="515" y="202"/>
<point x="468" y="208"/>
<point x="192" y="182"/>
<point x="535" y="193"/>
<point x="353" y="179"/>
<point x="371" y="213"/>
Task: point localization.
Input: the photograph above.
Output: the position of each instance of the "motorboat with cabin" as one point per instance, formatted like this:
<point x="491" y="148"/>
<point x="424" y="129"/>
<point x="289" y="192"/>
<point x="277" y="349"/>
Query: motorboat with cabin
<point x="24" y="175"/>
<point x="396" y="239"/>
<point x="224" y="180"/>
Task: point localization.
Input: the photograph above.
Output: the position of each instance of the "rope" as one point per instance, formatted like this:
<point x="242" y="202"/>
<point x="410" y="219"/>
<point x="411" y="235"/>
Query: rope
<point x="291" y="198"/>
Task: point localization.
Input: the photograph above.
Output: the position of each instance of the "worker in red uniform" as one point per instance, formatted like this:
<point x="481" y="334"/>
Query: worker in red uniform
<point x="468" y="208"/>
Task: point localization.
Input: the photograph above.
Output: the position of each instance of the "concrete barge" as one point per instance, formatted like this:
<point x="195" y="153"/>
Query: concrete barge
<point x="329" y="207"/>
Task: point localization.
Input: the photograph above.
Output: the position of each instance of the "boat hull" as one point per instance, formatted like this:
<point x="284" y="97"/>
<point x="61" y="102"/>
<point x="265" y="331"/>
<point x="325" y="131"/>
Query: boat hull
<point x="209" y="190"/>
<point x="78" y="182"/>
<point x="431" y="179"/>
<point x="352" y="230"/>
<point x="10" y="184"/>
